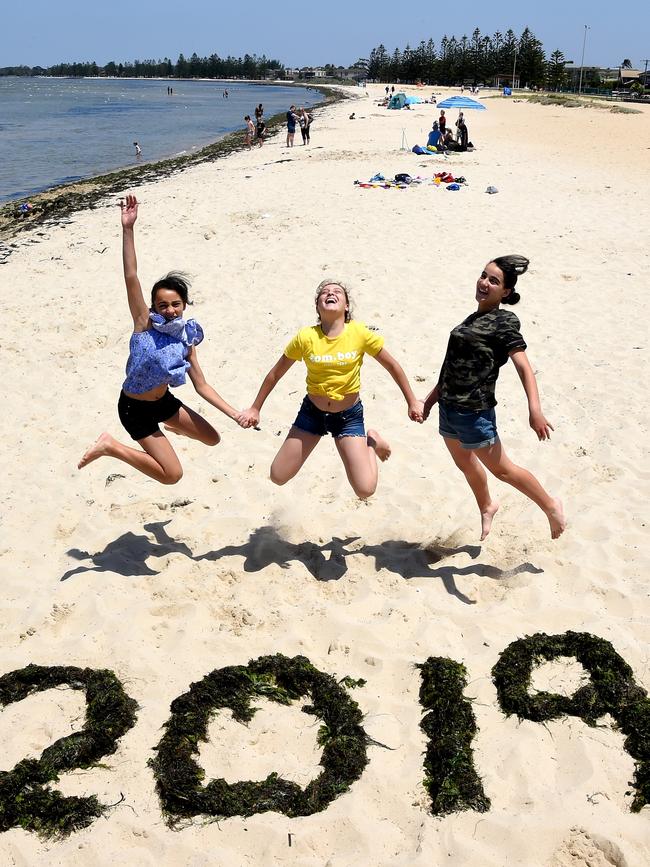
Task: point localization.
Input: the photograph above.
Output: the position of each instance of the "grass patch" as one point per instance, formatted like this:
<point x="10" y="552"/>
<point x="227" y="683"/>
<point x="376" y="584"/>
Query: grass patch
<point x="611" y="690"/>
<point x="179" y="778"/>
<point x="570" y="101"/>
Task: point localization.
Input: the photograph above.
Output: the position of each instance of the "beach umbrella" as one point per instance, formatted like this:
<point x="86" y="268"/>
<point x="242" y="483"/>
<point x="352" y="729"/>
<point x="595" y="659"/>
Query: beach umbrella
<point x="461" y="102"/>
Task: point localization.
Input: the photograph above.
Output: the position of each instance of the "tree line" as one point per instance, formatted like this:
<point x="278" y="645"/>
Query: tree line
<point x="248" y="66"/>
<point x="473" y="60"/>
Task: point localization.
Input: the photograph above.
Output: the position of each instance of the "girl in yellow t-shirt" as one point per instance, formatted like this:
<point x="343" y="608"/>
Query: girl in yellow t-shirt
<point x="333" y="352"/>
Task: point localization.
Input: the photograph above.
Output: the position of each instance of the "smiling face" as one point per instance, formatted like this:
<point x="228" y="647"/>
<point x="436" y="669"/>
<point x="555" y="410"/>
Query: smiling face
<point x="490" y="287"/>
<point x="331" y="301"/>
<point x="168" y="303"/>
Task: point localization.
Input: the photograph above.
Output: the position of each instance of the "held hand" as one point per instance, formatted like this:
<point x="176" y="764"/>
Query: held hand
<point x="428" y="405"/>
<point x="416" y="411"/>
<point x="129" y="211"/>
<point x="248" y="418"/>
<point x="540" y="425"/>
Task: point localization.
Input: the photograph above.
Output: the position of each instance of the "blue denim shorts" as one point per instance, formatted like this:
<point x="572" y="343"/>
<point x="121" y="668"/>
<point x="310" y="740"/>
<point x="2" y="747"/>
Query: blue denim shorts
<point x="348" y="423"/>
<point x="475" y="430"/>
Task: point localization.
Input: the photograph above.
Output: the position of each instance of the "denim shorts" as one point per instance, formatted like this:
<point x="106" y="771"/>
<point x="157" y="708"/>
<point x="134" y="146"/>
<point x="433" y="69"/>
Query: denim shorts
<point x="475" y="430"/>
<point x="348" y="423"/>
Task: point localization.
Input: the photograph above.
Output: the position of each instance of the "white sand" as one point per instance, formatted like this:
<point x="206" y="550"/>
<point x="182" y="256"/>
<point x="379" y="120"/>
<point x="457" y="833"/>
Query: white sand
<point x="251" y="569"/>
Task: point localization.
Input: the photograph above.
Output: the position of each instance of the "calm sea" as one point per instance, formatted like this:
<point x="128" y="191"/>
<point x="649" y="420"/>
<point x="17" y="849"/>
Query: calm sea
<point x="57" y="130"/>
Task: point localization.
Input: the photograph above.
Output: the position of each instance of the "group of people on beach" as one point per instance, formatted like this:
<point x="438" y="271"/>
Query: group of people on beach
<point x="442" y="138"/>
<point x="163" y="350"/>
<point x="301" y="118"/>
<point x="256" y="132"/>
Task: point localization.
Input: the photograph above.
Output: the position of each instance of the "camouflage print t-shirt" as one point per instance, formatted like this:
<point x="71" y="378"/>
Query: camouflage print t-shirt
<point x="477" y="348"/>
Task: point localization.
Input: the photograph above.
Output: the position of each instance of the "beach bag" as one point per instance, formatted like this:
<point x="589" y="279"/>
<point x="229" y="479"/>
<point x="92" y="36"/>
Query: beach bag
<point x="403" y="178"/>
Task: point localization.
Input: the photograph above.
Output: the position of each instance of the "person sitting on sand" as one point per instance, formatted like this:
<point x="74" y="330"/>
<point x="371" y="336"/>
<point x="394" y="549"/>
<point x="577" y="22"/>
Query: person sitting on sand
<point x="435" y="137"/>
<point x="477" y="349"/>
<point x="333" y="352"/>
<point x="162" y="350"/>
<point x="448" y="142"/>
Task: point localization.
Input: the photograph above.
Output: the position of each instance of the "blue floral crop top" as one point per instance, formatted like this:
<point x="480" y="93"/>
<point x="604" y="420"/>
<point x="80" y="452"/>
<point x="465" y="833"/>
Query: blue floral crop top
<point x="159" y="356"/>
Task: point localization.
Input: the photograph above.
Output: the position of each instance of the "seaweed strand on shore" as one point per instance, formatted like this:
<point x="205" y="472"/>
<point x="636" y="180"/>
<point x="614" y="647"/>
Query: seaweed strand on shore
<point x="179" y="778"/>
<point x="60" y="202"/>
<point x="611" y="690"/>
<point x="26" y="801"/>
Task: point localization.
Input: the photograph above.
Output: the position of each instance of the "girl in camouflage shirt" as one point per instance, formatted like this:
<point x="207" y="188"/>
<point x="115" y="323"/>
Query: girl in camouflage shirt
<point x="477" y="349"/>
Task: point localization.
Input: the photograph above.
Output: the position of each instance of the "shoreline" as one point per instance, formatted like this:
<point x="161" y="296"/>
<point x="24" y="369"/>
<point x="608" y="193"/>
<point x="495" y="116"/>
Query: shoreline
<point x="61" y="201"/>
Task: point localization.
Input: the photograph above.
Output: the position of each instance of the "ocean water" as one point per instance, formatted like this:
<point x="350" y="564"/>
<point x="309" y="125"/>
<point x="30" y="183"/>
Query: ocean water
<point x="57" y="130"/>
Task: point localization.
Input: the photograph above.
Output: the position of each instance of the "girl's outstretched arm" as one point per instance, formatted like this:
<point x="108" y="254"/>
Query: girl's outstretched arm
<point x="536" y="418"/>
<point x="205" y="390"/>
<point x="415" y="406"/>
<point x="251" y="416"/>
<point x="137" y="304"/>
<point x="430" y="400"/>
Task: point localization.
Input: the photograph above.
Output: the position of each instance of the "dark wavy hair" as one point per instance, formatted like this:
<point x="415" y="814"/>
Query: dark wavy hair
<point x="177" y="281"/>
<point x="511" y="267"/>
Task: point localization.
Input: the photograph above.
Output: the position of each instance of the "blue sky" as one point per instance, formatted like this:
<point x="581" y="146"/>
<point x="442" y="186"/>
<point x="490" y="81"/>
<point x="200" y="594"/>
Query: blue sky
<point x="300" y="33"/>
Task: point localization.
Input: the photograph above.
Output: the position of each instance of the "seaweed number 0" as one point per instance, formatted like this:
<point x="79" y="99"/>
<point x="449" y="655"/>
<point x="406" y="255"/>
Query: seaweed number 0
<point x="451" y="780"/>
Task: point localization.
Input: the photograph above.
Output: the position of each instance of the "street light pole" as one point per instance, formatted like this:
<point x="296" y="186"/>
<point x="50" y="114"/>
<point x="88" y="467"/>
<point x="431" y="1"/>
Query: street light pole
<point x="514" y="66"/>
<point x="582" y="62"/>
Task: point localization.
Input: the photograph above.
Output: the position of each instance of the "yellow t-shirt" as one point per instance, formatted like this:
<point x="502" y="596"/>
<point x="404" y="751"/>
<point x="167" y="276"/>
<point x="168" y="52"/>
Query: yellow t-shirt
<point x="334" y="364"/>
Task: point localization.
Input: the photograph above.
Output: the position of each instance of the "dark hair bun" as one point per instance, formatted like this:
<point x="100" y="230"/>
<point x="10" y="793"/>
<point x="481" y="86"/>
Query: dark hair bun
<point x="512" y="298"/>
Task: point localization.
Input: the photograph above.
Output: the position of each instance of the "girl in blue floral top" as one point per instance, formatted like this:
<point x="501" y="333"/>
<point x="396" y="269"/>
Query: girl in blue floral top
<point x="162" y="351"/>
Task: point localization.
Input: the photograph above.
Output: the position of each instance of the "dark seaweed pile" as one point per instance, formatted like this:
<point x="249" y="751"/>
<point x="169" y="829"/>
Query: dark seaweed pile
<point x="450" y="776"/>
<point x="26" y="800"/>
<point x="611" y="690"/>
<point x="179" y="779"/>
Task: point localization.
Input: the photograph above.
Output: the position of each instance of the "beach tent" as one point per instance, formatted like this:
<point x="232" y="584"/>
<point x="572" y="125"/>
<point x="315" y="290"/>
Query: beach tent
<point x="398" y="100"/>
<point x="413" y="100"/>
<point x="461" y="102"/>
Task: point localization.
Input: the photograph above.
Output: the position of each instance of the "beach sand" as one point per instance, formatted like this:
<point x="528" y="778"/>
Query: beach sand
<point x="163" y="585"/>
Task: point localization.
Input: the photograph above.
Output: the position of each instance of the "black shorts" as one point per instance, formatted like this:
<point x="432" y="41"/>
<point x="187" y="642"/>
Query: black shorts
<point x="140" y="418"/>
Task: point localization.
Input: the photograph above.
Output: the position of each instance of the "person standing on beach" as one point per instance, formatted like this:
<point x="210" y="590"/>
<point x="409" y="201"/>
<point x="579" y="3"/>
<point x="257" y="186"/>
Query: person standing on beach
<point x="306" y="120"/>
<point x="333" y="352"/>
<point x="477" y="349"/>
<point x="250" y="131"/>
<point x="442" y="121"/>
<point x="260" y="132"/>
<point x="459" y="120"/>
<point x="259" y="113"/>
<point x="162" y="350"/>
<point x="292" y="120"/>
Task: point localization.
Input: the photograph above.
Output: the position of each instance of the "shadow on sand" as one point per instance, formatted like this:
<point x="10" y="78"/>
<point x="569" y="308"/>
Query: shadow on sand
<point x="128" y="555"/>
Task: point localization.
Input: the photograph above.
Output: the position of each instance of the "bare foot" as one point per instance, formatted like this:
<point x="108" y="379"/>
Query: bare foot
<point x="379" y="444"/>
<point x="486" y="518"/>
<point x="556" y="519"/>
<point x="100" y="448"/>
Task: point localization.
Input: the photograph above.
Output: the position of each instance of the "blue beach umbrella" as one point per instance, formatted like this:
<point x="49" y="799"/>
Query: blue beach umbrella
<point x="461" y="102"/>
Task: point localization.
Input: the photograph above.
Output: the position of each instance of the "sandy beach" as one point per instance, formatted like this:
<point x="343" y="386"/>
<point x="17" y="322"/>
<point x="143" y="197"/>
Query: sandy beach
<point x="104" y="568"/>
